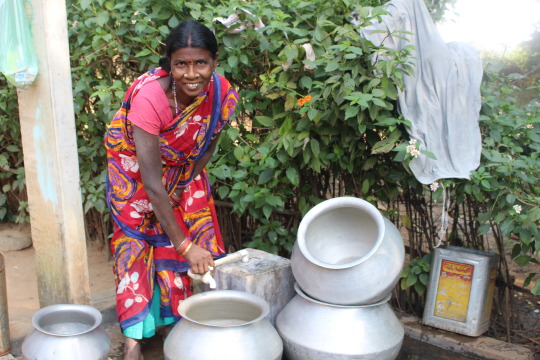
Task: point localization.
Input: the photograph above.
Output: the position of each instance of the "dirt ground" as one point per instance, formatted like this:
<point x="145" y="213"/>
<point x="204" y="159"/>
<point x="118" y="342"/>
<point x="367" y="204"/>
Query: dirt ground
<point x="22" y="289"/>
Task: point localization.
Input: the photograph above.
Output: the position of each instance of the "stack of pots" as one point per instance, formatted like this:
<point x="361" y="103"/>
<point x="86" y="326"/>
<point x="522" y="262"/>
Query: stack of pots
<point x="346" y="261"/>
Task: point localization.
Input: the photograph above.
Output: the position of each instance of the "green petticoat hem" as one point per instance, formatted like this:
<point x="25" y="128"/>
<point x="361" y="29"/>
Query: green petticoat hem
<point x="147" y="327"/>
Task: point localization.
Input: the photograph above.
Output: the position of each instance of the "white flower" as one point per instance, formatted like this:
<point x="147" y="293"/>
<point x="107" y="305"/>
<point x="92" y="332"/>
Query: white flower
<point x="136" y="13"/>
<point x="412" y="141"/>
<point x="129" y="163"/>
<point x="135" y="277"/>
<point x="142" y="206"/>
<point x="181" y="130"/>
<point x="178" y="281"/>
<point x="128" y="303"/>
<point x="415" y="153"/>
<point x="434" y="186"/>
<point x="529" y="126"/>
<point x="517" y="209"/>
<point x="123" y="284"/>
<point x="198" y="194"/>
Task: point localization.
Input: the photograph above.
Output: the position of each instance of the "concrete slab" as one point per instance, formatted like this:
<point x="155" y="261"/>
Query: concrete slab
<point x="482" y="347"/>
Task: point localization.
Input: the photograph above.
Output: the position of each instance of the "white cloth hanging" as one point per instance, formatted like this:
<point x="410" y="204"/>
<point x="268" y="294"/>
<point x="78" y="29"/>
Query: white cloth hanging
<point x="442" y="99"/>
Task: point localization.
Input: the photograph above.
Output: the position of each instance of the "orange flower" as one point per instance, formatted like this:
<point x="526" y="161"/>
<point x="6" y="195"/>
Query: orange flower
<point x="304" y="100"/>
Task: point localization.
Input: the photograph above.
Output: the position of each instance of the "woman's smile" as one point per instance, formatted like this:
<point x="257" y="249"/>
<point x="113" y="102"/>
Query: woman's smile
<point x="191" y="69"/>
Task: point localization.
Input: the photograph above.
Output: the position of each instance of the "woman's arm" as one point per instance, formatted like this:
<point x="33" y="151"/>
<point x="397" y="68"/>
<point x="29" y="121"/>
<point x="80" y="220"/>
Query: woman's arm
<point x="149" y="159"/>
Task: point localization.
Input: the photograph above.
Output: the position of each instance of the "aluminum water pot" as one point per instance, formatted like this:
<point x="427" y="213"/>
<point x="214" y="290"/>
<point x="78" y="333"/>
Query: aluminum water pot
<point x="347" y="253"/>
<point x="223" y="324"/>
<point x="66" y="332"/>
<point x="314" y="330"/>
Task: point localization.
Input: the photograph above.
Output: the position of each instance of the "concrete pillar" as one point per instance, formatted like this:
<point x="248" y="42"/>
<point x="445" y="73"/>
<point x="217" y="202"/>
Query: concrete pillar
<point x="266" y="275"/>
<point x="51" y="163"/>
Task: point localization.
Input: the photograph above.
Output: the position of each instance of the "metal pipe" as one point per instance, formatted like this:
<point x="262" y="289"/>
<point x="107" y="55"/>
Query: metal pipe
<point x="4" y="320"/>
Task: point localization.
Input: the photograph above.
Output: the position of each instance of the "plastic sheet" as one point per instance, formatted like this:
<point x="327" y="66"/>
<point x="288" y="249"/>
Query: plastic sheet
<point x="18" y="60"/>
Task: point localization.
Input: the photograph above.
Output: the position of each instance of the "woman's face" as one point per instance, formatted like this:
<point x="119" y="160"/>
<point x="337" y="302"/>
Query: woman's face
<point x="192" y="69"/>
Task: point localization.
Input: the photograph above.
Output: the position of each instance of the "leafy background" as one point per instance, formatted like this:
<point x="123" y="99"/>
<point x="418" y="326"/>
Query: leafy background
<point x="279" y="158"/>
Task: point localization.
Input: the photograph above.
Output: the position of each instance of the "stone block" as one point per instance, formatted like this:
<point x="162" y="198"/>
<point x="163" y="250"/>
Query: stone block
<point x="266" y="275"/>
<point x="14" y="237"/>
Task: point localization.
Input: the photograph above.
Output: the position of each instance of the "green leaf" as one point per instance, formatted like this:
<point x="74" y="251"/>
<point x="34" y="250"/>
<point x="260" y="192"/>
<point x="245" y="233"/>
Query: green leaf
<point x="370" y="162"/>
<point x="238" y="153"/>
<point x="267" y="211"/>
<point x="536" y="288"/>
<point x="506" y="227"/>
<point x="306" y="82"/>
<point x="351" y="111"/>
<point x="223" y="191"/>
<point x="419" y="288"/>
<point x="102" y="18"/>
<point x="429" y="154"/>
<point x="411" y="280"/>
<point x="291" y="52"/>
<point x="483" y="229"/>
<point x="528" y="280"/>
<point x="173" y="22"/>
<point x="274" y="201"/>
<point x="331" y="66"/>
<point x="265" y="176"/>
<point x="232" y="61"/>
<point x="383" y="146"/>
<point x="143" y="52"/>
<point x="424" y="278"/>
<point x="522" y="260"/>
<point x="85" y="4"/>
<point x="292" y="175"/>
<point x="315" y="148"/>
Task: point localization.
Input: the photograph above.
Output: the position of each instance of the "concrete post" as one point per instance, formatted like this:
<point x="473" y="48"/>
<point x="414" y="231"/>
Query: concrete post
<point x="51" y="163"/>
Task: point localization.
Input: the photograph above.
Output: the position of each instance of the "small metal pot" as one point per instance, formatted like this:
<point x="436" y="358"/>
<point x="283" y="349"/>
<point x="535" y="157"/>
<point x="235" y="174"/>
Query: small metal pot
<point x="314" y="330"/>
<point x="347" y="253"/>
<point x="66" y="332"/>
<point x="223" y="324"/>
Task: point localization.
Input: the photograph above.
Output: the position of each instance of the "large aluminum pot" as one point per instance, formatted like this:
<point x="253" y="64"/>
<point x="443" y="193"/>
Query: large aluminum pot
<point x="223" y="324"/>
<point x="66" y="332"/>
<point x="314" y="330"/>
<point x="347" y="253"/>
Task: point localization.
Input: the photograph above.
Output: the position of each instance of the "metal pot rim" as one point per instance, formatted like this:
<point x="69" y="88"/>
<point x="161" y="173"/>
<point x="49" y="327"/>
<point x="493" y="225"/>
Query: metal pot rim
<point x="308" y="298"/>
<point x="333" y="204"/>
<point x="224" y="294"/>
<point x="93" y="312"/>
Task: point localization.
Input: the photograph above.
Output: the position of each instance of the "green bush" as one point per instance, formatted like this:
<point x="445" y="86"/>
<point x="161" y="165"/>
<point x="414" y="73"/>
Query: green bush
<point x="305" y="130"/>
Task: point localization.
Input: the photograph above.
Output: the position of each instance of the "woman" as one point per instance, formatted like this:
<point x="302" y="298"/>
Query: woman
<point x="157" y="187"/>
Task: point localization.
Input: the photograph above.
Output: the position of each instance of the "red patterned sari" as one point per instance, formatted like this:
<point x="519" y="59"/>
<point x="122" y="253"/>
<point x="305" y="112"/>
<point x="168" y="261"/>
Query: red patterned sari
<point x="143" y="252"/>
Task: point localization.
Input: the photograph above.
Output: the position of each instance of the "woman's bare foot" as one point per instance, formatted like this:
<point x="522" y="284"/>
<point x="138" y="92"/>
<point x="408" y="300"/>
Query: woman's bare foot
<point x="165" y="331"/>
<point x="132" y="349"/>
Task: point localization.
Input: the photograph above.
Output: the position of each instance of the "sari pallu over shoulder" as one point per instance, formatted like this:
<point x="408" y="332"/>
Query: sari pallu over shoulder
<point x="182" y="143"/>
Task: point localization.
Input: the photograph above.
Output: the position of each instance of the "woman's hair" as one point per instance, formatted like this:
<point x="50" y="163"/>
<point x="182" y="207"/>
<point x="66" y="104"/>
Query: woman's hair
<point x="189" y="33"/>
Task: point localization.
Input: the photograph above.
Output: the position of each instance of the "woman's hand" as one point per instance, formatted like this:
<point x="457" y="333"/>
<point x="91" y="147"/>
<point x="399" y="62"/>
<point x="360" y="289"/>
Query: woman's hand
<point x="199" y="259"/>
